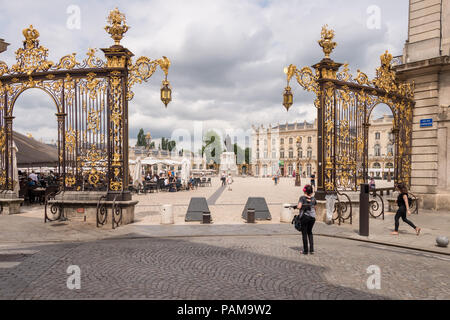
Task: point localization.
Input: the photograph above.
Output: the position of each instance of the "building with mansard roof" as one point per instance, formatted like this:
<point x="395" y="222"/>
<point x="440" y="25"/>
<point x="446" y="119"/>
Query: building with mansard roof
<point x="292" y="147"/>
<point x="283" y="148"/>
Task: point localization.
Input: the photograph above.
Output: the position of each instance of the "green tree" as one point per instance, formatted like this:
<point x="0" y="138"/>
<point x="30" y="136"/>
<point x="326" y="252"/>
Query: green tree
<point x="212" y="147"/>
<point x="167" y="145"/>
<point x="240" y="154"/>
<point x="141" y="139"/>
<point x="248" y="155"/>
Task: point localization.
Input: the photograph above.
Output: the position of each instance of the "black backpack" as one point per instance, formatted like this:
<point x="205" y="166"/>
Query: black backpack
<point x="296" y="223"/>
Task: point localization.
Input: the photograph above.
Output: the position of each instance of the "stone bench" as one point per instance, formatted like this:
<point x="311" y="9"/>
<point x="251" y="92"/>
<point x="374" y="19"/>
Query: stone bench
<point x="82" y="206"/>
<point x="10" y="206"/>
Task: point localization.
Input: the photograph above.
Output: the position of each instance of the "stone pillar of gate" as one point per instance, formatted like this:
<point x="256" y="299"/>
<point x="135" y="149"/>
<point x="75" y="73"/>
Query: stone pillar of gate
<point x="8" y="158"/>
<point x="327" y="69"/>
<point x="118" y="59"/>
<point x="9" y="200"/>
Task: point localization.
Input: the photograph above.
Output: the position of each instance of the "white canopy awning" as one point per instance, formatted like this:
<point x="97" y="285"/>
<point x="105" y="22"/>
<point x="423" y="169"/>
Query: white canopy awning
<point x="152" y="161"/>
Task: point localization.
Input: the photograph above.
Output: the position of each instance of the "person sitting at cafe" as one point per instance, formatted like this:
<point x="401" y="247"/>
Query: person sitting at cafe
<point x="31" y="185"/>
<point x="179" y="183"/>
<point x="33" y="176"/>
<point x="191" y="183"/>
<point x="51" y="179"/>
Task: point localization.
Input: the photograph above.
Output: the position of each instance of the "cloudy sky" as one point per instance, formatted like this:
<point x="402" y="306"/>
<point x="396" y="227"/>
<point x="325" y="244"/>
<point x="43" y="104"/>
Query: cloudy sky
<point x="227" y="55"/>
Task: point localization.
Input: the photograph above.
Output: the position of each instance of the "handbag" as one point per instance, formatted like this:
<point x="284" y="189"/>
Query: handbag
<point x="296" y="222"/>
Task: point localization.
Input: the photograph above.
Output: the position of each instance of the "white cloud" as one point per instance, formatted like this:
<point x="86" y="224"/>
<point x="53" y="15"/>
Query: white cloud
<point x="227" y="55"/>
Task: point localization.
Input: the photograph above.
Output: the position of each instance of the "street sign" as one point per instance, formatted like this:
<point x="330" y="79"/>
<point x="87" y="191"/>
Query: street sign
<point x="426" y="123"/>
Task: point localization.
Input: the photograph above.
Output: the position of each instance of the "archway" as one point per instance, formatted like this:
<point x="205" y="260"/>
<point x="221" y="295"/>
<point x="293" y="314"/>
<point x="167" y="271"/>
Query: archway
<point x="36" y="168"/>
<point x="381" y="145"/>
<point x="92" y="114"/>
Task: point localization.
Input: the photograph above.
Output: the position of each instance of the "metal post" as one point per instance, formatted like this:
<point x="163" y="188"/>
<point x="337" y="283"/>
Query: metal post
<point x="364" y="210"/>
<point x="250" y="215"/>
<point x="206" y="217"/>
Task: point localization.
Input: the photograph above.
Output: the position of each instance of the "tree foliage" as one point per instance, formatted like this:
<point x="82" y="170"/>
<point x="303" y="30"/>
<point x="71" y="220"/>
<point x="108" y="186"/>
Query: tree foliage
<point x="212" y="147"/>
<point x="167" y="144"/>
<point x="141" y="139"/>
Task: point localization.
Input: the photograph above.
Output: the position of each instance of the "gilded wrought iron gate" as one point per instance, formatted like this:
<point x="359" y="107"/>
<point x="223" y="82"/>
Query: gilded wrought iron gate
<point x="344" y="105"/>
<point x="91" y="100"/>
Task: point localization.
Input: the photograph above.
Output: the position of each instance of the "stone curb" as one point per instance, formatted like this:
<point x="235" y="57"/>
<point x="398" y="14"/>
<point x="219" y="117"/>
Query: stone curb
<point x="390" y="244"/>
<point x="137" y="237"/>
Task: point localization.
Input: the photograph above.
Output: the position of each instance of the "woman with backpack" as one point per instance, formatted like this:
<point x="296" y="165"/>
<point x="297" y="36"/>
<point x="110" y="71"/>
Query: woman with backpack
<point x="307" y="206"/>
<point x="403" y="203"/>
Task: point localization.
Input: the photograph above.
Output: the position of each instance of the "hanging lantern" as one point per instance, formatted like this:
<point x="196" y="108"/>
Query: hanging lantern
<point x="166" y="92"/>
<point x="288" y="98"/>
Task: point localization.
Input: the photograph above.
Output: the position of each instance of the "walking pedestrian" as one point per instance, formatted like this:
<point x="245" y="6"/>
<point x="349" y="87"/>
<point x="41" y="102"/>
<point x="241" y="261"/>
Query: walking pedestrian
<point x="307" y="206"/>
<point x="372" y="185"/>
<point x="403" y="203"/>
<point x="277" y="177"/>
<point x="313" y="181"/>
<point x="224" y="179"/>
<point x="229" y="181"/>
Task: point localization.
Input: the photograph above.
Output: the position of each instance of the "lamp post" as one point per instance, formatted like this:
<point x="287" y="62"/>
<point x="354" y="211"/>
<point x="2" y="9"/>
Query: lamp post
<point x="297" y="176"/>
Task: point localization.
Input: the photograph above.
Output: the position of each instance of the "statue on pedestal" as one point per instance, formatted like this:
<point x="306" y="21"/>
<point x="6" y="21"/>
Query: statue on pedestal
<point x="228" y="159"/>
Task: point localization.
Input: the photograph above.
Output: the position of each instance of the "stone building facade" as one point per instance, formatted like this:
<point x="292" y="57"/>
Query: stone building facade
<point x="426" y="61"/>
<point x="381" y="148"/>
<point x="275" y="149"/>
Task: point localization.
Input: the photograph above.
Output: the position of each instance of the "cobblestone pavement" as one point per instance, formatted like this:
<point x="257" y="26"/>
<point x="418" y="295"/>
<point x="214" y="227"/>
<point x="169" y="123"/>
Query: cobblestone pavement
<point x="254" y="267"/>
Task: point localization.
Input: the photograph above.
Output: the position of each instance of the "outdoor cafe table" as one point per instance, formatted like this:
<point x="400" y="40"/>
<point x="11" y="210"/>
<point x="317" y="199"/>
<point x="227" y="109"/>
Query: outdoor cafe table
<point x="39" y="193"/>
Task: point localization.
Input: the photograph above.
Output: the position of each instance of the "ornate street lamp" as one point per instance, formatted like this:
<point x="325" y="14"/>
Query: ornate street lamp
<point x="288" y="98"/>
<point x="166" y="92"/>
<point x="297" y="176"/>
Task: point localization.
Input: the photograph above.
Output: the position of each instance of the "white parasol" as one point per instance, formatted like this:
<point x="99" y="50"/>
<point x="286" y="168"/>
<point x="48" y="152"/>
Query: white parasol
<point x="185" y="170"/>
<point x="137" y="177"/>
<point x="15" y="169"/>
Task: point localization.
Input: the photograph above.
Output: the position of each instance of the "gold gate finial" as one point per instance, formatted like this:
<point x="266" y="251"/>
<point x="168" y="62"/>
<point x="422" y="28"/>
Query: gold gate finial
<point x="117" y="25"/>
<point x="31" y="37"/>
<point x="386" y="59"/>
<point x="326" y="42"/>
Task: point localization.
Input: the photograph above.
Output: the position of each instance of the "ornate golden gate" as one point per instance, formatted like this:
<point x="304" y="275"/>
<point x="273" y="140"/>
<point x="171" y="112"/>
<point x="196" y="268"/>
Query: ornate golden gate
<point x="344" y="105"/>
<point x="91" y="101"/>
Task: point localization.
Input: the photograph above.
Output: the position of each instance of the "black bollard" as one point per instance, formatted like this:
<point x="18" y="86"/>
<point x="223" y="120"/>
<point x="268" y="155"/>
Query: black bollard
<point x="250" y="215"/>
<point x="206" y="217"/>
<point x="364" y="210"/>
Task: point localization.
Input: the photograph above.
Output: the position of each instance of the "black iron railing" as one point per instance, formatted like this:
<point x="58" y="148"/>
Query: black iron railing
<point x="56" y="210"/>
